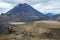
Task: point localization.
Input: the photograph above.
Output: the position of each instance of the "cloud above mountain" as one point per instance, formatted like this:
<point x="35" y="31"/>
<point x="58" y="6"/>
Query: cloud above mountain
<point x="44" y="6"/>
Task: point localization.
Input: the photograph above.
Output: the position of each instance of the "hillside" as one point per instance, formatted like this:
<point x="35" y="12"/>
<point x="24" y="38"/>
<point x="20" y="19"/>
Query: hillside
<point x="56" y="17"/>
<point x="36" y="30"/>
<point x="23" y="13"/>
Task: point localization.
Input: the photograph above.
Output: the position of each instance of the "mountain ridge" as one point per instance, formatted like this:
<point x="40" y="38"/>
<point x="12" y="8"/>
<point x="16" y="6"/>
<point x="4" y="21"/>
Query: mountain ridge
<point x="24" y="12"/>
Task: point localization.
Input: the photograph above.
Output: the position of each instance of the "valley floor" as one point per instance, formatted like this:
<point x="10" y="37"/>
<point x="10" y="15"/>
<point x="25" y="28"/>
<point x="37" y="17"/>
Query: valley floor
<point x="38" y="30"/>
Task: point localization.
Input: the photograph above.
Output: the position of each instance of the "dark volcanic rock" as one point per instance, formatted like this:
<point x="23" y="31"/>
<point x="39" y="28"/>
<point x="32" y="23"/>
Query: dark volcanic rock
<point x="23" y="12"/>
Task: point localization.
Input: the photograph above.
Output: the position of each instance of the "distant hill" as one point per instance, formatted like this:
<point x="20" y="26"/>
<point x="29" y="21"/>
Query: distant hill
<point x="49" y="15"/>
<point x="56" y="17"/>
<point x="23" y="13"/>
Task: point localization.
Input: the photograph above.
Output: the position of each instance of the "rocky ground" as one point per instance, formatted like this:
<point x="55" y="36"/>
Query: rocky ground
<point x="39" y="30"/>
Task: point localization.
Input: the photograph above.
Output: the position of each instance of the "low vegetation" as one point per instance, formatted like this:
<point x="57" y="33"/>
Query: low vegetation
<point x="39" y="30"/>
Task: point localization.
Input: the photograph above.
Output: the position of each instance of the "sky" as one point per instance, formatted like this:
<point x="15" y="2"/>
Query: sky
<point x="44" y="6"/>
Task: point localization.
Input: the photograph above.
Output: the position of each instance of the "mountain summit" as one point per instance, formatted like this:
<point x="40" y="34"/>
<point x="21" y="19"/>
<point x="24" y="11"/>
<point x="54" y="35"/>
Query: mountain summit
<point x="24" y="12"/>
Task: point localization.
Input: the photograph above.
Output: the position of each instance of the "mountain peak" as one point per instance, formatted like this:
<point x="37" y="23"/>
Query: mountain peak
<point x="22" y="4"/>
<point x="19" y="8"/>
<point x="24" y="12"/>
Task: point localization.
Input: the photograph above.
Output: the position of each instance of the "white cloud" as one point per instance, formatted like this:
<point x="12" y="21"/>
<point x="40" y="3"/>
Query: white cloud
<point x="41" y="5"/>
<point x="22" y="1"/>
<point x="50" y="7"/>
<point x="5" y="5"/>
